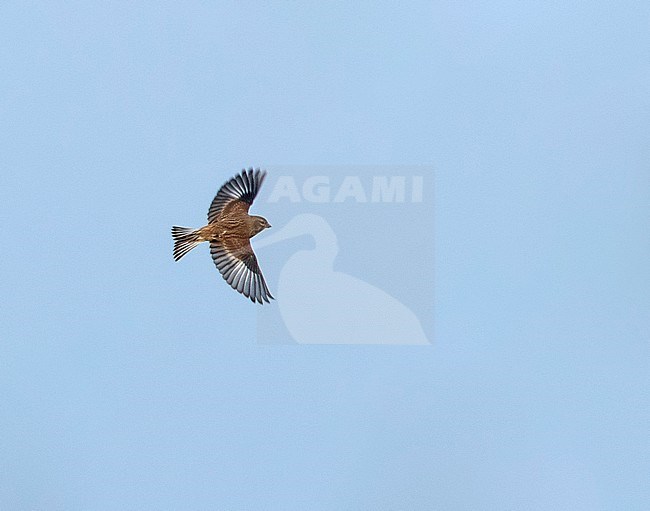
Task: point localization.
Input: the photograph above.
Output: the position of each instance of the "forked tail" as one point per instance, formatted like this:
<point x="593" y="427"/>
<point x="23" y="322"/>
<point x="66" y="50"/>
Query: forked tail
<point x="185" y="239"/>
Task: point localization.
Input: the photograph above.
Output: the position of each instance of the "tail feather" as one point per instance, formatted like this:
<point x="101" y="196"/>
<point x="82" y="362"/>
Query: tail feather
<point x="185" y="239"/>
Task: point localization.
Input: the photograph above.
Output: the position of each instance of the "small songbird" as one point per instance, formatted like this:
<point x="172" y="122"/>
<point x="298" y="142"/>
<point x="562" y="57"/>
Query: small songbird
<point x="229" y="230"/>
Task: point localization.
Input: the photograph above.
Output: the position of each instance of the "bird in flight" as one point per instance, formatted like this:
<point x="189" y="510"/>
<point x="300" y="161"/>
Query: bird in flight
<point x="229" y="230"/>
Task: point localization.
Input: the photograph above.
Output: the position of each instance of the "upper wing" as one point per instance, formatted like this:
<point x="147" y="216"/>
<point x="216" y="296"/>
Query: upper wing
<point x="237" y="194"/>
<point x="236" y="261"/>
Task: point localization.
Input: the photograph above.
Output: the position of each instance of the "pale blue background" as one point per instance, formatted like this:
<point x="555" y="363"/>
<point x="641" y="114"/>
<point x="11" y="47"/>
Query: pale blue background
<point x="128" y="382"/>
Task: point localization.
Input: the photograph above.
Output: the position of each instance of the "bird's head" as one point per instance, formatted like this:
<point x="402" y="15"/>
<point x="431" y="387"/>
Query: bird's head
<point x="259" y="224"/>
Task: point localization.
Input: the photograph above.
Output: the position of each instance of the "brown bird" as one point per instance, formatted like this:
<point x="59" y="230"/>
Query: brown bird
<point x="229" y="230"/>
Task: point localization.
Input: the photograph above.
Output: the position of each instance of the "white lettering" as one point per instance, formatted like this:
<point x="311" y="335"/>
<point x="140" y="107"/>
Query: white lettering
<point x="385" y="190"/>
<point x="417" y="189"/>
<point x="285" y="186"/>
<point x="316" y="189"/>
<point x="351" y="187"/>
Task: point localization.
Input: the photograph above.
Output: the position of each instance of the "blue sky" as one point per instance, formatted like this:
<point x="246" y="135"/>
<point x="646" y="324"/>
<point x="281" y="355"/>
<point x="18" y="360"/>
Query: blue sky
<point x="130" y="382"/>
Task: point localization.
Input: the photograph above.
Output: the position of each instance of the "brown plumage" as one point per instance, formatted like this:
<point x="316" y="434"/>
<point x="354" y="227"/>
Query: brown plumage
<point x="229" y="230"/>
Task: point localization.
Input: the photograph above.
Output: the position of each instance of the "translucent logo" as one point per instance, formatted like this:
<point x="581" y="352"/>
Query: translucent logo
<point x="351" y="258"/>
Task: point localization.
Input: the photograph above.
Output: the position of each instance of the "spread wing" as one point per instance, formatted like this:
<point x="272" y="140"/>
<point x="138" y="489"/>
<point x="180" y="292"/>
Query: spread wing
<point x="237" y="194"/>
<point x="236" y="261"/>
